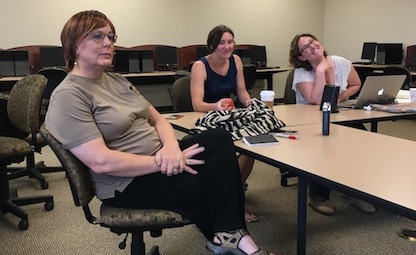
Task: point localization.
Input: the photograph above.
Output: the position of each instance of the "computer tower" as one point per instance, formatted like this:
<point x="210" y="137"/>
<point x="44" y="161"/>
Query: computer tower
<point x="6" y="63"/>
<point x="21" y="63"/>
<point x="147" y="61"/>
<point x="134" y="61"/>
<point x="121" y="61"/>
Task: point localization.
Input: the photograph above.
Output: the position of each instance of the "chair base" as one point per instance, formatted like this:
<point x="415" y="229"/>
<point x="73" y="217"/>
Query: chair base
<point x="12" y="206"/>
<point x="154" y="251"/>
<point x="138" y="247"/>
<point x="409" y="234"/>
<point x="34" y="171"/>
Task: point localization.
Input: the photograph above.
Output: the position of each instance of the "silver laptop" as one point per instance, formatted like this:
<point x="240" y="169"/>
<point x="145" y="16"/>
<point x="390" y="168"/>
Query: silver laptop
<point x="380" y="89"/>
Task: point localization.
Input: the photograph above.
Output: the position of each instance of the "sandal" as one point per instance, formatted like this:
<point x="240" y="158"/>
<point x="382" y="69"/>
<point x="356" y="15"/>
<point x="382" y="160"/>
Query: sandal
<point x="250" y="217"/>
<point x="229" y="244"/>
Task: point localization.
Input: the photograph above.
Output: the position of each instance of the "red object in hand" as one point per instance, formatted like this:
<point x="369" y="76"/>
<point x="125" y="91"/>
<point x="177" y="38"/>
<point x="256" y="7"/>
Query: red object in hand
<point x="227" y="103"/>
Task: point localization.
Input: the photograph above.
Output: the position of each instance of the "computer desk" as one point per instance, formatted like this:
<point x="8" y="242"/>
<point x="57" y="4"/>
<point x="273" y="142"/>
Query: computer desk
<point x="163" y="77"/>
<point x="367" y="176"/>
<point x="267" y="74"/>
<point x="378" y="67"/>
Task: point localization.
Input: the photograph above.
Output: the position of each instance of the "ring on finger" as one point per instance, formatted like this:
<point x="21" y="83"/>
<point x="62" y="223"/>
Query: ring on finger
<point x="188" y="162"/>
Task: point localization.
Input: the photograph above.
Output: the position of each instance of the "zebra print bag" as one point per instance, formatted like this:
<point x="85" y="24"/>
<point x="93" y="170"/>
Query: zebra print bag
<point x="251" y="121"/>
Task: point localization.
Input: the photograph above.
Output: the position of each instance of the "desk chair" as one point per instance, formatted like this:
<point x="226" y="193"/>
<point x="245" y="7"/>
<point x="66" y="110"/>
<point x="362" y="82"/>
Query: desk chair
<point x="23" y="103"/>
<point x="249" y="76"/>
<point x="35" y="169"/>
<point x="288" y="98"/>
<point x="399" y="70"/>
<point x="118" y="220"/>
<point x="181" y="95"/>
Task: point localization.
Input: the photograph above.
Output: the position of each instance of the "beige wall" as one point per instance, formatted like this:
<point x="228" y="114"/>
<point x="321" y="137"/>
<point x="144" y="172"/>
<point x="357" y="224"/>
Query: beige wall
<point x="349" y="23"/>
<point x="174" y="22"/>
<point x="343" y="25"/>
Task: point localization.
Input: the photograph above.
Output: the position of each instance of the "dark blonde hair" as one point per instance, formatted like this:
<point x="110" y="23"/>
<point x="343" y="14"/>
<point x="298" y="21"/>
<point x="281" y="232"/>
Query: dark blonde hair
<point x="294" y="53"/>
<point x="215" y="35"/>
<point x="77" y="28"/>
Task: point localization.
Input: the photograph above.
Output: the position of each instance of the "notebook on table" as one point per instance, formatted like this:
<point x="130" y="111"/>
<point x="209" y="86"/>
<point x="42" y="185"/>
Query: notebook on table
<point x="381" y="89"/>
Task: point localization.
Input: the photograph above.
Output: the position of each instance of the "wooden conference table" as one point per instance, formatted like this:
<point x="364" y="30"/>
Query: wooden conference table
<point x="317" y="158"/>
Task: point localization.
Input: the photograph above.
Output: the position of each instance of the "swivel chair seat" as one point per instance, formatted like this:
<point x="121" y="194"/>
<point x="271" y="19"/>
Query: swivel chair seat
<point x="118" y="220"/>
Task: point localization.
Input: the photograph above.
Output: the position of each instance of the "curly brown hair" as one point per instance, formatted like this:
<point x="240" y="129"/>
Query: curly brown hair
<point x="77" y="28"/>
<point x="294" y="53"/>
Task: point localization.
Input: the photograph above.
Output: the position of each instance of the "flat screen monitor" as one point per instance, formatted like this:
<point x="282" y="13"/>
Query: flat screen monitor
<point x="369" y="51"/>
<point x="166" y="57"/>
<point x="411" y="57"/>
<point x="201" y="51"/>
<point x="244" y="55"/>
<point x="51" y="57"/>
<point x="258" y="55"/>
<point x="389" y="53"/>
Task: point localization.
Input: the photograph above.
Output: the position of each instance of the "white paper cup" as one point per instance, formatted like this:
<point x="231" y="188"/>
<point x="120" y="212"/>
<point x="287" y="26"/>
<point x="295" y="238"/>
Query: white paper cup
<point x="267" y="96"/>
<point x="412" y="94"/>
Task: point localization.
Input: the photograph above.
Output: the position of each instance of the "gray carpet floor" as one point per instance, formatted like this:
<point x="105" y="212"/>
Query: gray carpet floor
<point x="64" y="230"/>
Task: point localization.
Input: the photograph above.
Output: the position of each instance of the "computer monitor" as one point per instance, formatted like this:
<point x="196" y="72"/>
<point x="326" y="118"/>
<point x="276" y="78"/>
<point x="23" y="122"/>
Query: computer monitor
<point x="244" y="55"/>
<point x="411" y="57"/>
<point x="21" y="62"/>
<point x="389" y="53"/>
<point x="51" y="56"/>
<point x="166" y="57"/>
<point x="6" y="63"/>
<point x="258" y="55"/>
<point x="201" y="51"/>
<point x="369" y="51"/>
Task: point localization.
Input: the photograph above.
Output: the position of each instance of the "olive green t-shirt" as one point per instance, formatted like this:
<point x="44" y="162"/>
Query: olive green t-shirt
<point x="82" y="109"/>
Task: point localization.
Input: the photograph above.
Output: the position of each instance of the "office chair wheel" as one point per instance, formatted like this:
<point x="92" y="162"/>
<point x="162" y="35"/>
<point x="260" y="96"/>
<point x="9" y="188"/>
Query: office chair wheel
<point x="49" y="206"/>
<point x="24" y="224"/>
<point x="44" y="184"/>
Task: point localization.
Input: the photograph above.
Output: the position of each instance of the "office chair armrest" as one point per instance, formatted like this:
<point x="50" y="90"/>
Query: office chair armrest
<point x="4" y="96"/>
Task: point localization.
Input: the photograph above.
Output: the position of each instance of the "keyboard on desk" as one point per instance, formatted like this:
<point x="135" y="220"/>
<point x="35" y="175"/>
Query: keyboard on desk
<point x="362" y="63"/>
<point x="267" y="67"/>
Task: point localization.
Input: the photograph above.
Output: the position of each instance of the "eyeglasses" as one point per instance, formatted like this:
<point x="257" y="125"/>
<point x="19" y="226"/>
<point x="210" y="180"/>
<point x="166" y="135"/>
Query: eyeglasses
<point x="99" y="36"/>
<point x="307" y="46"/>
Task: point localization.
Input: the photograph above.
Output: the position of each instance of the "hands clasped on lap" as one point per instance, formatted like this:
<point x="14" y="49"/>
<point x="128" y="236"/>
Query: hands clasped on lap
<point x="175" y="161"/>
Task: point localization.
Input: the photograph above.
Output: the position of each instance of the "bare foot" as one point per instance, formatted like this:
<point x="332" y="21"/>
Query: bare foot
<point x="249" y="217"/>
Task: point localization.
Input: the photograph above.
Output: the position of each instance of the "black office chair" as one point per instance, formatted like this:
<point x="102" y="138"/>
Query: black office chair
<point x="23" y="108"/>
<point x="288" y="98"/>
<point x="118" y="220"/>
<point x="399" y="70"/>
<point x="181" y="95"/>
<point x="249" y="76"/>
<point x="55" y="76"/>
<point x="35" y="169"/>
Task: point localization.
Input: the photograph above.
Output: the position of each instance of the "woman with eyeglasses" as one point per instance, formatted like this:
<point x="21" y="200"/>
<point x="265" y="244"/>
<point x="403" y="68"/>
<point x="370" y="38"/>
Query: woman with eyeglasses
<point x="131" y="150"/>
<point x="214" y="78"/>
<point x="314" y="68"/>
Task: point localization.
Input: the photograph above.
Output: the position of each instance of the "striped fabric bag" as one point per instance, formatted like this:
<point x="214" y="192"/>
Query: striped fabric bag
<point x="251" y="121"/>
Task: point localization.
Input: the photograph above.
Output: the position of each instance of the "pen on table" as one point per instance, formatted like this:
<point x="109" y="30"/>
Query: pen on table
<point x="287" y="136"/>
